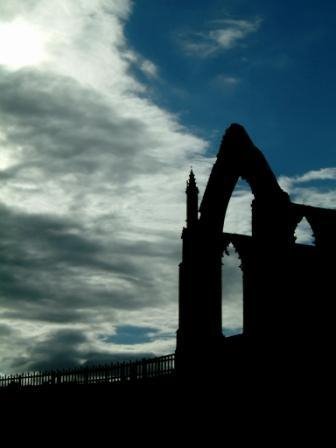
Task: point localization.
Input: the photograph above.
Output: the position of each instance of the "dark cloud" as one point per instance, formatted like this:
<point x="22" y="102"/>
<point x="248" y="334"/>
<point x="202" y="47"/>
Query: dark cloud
<point x="67" y="349"/>
<point x="60" y="349"/>
<point x="5" y="330"/>
<point x="64" y="127"/>
<point x="47" y="263"/>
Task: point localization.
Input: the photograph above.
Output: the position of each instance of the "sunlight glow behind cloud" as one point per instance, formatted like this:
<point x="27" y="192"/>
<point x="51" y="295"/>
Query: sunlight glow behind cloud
<point x="21" y="44"/>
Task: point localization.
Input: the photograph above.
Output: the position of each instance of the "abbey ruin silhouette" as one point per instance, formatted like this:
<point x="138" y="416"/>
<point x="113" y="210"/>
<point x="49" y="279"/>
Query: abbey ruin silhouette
<point x="288" y="288"/>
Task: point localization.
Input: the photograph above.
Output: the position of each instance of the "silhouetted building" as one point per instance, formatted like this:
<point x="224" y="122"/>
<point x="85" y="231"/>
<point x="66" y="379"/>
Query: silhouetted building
<point x="288" y="288"/>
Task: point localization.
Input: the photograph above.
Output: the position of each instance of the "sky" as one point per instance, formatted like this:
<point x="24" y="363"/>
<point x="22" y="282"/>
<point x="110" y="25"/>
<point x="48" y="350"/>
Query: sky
<point x="104" y="106"/>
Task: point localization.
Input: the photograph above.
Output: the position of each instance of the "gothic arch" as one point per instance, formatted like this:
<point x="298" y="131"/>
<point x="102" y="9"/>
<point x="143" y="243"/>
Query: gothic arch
<point x="237" y="157"/>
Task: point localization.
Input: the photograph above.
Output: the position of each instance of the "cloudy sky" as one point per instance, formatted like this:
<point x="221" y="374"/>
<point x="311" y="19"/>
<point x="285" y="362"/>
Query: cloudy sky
<point x="104" y="106"/>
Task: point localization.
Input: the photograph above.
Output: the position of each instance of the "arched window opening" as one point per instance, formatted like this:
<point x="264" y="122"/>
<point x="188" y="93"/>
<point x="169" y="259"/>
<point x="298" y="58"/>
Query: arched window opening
<point x="304" y="233"/>
<point x="232" y="293"/>
<point x="238" y="218"/>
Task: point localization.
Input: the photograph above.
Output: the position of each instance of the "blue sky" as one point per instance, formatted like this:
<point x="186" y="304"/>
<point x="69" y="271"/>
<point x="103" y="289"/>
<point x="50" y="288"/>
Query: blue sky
<point x="277" y="80"/>
<point x="104" y="106"/>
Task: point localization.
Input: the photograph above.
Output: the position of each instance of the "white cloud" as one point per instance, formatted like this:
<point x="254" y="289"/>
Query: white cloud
<point x="233" y="31"/>
<point x="149" y="68"/>
<point x="232" y="284"/>
<point x="313" y="175"/>
<point x="321" y="174"/>
<point x="225" y="83"/>
<point x="229" y="80"/>
<point x="239" y="213"/>
<point x="304" y="233"/>
<point x="310" y="189"/>
<point x="223" y="35"/>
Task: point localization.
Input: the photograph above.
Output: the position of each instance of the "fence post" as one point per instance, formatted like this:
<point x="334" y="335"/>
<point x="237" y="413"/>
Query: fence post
<point x="122" y="371"/>
<point x="133" y="371"/>
<point x="144" y="369"/>
<point x="86" y="376"/>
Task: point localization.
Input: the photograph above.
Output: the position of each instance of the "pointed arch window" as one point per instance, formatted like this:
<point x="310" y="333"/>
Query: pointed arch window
<point x="304" y="233"/>
<point x="238" y="218"/>
<point x="232" y="293"/>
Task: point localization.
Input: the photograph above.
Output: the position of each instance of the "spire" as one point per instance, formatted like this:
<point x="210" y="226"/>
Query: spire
<point x="191" y="183"/>
<point x="192" y="200"/>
